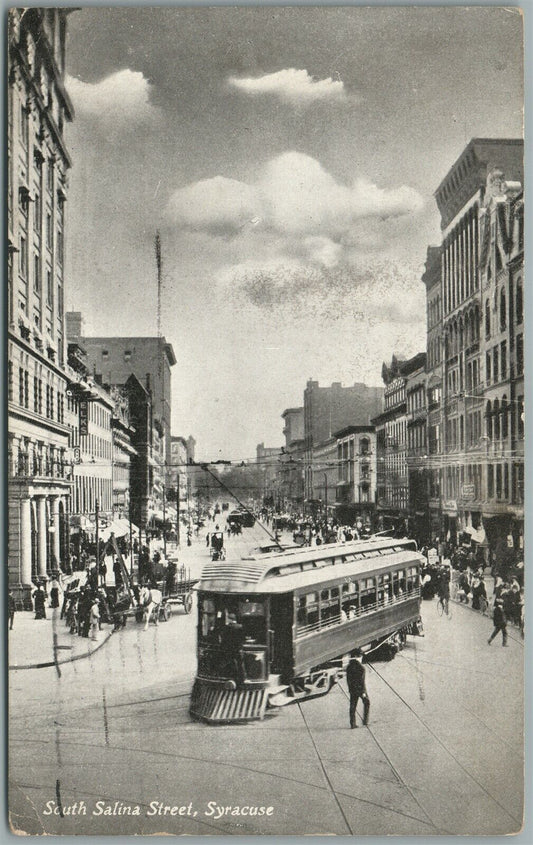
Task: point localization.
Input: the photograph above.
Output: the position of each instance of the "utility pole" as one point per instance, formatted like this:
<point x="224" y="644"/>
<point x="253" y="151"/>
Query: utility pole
<point x="178" y="508"/>
<point x="96" y="508"/>
<point x="164" y="524"/>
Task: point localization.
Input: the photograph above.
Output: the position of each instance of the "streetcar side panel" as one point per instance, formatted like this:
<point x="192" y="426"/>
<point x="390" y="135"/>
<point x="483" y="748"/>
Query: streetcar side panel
<point x="332" y="642"/>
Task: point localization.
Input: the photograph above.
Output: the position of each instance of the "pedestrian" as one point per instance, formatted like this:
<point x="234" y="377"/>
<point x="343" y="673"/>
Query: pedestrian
<point x="11" y="609"/>
<point x="54" y="593"/>
<point x="500" y="622"/>
<point x="355" y="678"/>
<point x="94" y="618"/>
<point x="39" y="602"/>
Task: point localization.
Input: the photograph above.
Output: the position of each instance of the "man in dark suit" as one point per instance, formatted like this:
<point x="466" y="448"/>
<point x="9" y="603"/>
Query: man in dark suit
<point x="355" y="678"/>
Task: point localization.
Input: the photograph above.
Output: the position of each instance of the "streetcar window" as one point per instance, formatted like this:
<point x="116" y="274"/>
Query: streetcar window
<point x="309" y="565"/>
<point x="251" y="608"/>
<point x="208" y="616"/>
<point x="329" y="607"/>
<point x="368" y="593"/>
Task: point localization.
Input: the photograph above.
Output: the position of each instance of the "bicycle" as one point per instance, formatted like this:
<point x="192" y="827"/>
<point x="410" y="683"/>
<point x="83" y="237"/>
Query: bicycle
<point x="443" y="607"/>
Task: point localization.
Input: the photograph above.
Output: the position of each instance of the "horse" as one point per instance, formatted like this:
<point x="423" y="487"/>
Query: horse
<point x="150" y="600"/>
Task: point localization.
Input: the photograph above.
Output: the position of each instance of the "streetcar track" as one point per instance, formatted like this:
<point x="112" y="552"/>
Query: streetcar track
<point x="210" y="762"/>
<point x="476" y="715"/>
<point x="444" y="747"/>
<point x="398" y="777"/>
<point x="333" y="793"/>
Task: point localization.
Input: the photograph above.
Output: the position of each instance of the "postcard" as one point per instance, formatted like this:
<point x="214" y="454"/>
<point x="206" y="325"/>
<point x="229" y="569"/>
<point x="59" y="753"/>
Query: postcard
<point x="265" y="330"/>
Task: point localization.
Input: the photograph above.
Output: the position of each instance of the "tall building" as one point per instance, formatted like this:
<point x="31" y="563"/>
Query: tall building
<point x="329" y="409"/>
<point x="116" y="358"/>
<point x="291" y="472"/>
<point x="38" y="108"/>
<point x="482" y="433"/>
<point x="392" y="442"/>
<point x="356" y="475"/>
<point x="433" y="282"/>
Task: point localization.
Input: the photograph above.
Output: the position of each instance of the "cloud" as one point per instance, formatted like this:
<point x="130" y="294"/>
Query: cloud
<point x="218" y="205"/>
<point x="373" y="290"/>
<point x="294" y="197"/>
<point x="292" y="85"/>
<point x="123" y="98"/>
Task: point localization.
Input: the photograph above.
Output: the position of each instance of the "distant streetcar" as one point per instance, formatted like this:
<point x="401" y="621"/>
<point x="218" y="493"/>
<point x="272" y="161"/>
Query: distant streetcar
<point x="276" y="628"/>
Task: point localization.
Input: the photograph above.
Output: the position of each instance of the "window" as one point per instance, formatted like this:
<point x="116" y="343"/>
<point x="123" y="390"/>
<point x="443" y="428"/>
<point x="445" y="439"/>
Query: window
<point x="59" y="253"/>
<point x="23" y="258"/>
<point x="49" y="287"/>
<point x="519" y="354"/>
<point x="488" y="417"/>
<point x="21" y="386"/>
<point x="37" y="274"/>
<point x="49" y="231"/>
<point x="519" y="302"/>
<point x="499" y="487"/>
<point x="505" y="417"/>
<point x="487" y="319"/>
<point x="503" y="360"/>
<point x="37" y="214"/>
<point x="497" y="431"/>
<point x="10" y="381"/>
<point x="521" y="417"/>
<point x="50" y="175"/>
<point x="490" y="481"/>
<point x="503" y="311"/>
<point x="496" y="366"/>
<point x="24" y="132"/>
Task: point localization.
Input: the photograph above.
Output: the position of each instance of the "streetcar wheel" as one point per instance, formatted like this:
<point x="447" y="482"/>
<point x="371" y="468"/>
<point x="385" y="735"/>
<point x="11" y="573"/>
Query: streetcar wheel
<point x="187" y="603"/>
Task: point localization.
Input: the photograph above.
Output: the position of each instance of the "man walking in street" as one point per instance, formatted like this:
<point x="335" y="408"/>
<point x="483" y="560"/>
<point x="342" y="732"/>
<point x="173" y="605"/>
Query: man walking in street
<point x="355" y="678"/>
<point x="500" y="622"/>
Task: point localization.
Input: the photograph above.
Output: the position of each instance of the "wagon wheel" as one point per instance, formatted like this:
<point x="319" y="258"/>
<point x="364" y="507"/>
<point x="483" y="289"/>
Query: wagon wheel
<point x="187" y="603"/>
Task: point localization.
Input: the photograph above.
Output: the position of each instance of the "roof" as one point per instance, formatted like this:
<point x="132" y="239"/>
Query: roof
<point x="282" y="572"/>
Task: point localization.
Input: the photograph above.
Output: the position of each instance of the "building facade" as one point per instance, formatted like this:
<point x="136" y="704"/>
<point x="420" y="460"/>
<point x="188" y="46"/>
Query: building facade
<point x="329" y="409"/>
<point x="476" y="201"/>
<point x="433" y="282"/>
<point x="356" y="475"/>
<point x="417" y="457"/>
<point x="116" y="358"/>
<point x="392" y="444"/>
<point x="39" y="483"/>
<point x="291" y="470"/>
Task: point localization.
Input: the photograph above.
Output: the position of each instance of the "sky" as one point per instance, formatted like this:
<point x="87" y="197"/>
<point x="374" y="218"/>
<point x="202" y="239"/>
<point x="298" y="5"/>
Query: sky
<point x="288" y="157"/>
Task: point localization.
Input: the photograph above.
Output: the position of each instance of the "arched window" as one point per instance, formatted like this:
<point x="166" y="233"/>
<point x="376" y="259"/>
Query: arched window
<point x="488" y="418"/>
<point x="496" y="414"/>
<point x="499" y="490"/>
<point x="503" y="311"/>
<point x="505" y="417"/>
<point x="487" y="318"/>
<point x="519" y="302"/>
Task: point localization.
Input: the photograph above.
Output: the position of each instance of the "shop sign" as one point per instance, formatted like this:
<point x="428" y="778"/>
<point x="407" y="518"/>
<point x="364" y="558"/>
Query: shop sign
<point x="468" y="492"/>
<point x="84" y="417"/>
<point x="450" y="505"/>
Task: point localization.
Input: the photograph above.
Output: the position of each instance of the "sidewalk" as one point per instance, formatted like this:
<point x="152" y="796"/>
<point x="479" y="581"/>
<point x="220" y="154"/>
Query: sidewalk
<point x="38" y="643"/>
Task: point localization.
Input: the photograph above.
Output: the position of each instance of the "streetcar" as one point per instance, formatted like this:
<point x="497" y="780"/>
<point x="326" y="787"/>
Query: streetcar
<point x="278" y="628"/>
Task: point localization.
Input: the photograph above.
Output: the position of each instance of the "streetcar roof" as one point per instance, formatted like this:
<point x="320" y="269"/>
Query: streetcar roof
<point x="284" y="572"/>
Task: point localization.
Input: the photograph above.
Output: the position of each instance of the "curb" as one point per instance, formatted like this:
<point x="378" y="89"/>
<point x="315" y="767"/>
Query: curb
<point x="50" y="663"/>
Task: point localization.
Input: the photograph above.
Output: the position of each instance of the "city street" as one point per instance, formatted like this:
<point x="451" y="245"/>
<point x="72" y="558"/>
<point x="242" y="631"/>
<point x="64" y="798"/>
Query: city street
<point x="112" y="737"/>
